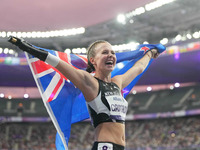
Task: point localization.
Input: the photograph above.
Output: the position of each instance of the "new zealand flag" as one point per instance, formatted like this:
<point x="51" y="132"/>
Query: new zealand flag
<point x="64" y="102"/>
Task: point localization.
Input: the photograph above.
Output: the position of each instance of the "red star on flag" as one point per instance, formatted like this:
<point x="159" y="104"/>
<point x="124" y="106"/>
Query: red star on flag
<point x="145" y="49"/>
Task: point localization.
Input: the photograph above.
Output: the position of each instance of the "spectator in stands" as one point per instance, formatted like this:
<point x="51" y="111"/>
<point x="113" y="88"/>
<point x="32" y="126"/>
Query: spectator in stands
<point x="136" y="104"/>
<point x="192" y="98"/>
<point x="101" y="90"/>
<point x="20" y="109"/>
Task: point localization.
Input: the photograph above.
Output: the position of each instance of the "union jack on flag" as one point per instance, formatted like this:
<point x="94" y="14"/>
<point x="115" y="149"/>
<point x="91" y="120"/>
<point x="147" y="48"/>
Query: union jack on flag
<point x="58" y="92"/>
<point x="64" y="102"/>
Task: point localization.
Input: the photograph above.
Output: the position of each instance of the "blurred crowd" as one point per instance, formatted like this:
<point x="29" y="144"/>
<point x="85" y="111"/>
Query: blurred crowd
<point x="179" y="133"/>
<point x="27" y="136"/>
<point x="159" y="134"/>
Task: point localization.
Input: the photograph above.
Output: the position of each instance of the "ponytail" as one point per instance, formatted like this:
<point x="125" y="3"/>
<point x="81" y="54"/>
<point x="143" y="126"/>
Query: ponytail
<point x="90" y="68"/>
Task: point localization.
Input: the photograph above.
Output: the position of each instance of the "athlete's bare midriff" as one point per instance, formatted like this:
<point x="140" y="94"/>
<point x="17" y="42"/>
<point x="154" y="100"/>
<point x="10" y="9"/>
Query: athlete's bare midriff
<point x="110" y="132"/>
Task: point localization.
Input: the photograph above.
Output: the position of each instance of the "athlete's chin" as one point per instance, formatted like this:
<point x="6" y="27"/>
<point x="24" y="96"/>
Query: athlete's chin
<point x="110" y="69"/>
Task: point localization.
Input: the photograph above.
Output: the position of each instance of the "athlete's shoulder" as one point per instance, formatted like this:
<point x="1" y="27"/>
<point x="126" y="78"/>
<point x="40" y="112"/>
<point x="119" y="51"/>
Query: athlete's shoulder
<point x="117" y="80"/>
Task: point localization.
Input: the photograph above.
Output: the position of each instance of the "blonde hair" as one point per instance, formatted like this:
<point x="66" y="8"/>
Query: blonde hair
<point x="91" y="53"/>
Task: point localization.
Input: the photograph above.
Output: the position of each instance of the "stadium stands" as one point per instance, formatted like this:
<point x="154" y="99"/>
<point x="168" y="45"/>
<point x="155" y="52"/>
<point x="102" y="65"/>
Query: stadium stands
<point x="176" y="133"/>
<point x="164" y="100"/>
<point x="163" y="134"/>
<point x="141" y="103"/>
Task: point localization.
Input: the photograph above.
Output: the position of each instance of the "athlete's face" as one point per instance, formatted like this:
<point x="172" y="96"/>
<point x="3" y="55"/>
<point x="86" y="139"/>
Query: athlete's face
<point x="105" y="58"/>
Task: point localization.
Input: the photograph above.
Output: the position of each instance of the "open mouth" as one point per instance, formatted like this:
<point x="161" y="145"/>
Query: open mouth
<point x="109" y="63"/>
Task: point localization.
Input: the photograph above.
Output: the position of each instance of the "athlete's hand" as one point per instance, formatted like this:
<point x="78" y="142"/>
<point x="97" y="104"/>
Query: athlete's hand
<point x="25" y="46"/>
<point x="14" y="40"/>
<point x="154" y="53"/>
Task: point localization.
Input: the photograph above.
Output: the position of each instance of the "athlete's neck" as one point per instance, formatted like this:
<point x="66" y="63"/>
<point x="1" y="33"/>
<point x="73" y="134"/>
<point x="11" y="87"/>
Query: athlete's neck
<point x="103" y="77"/>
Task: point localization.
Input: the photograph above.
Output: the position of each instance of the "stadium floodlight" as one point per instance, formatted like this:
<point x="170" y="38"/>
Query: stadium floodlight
<point x="139" y="11"/>
<point x="6" y="50"/>
<point x="47" y="34"/>
<point x="3" y="34"/>
<point x="196" y="35"/>
<point x="24" y="34"/>
<point x="134" y="92"/>
<point x="131" y="21"/>
<point x="9" y="97"/>
<point x="171" y="87"/>
<point x="11" y="51"/>
<point x="77" y="50"/>
<point x="121" y="18"/>
<point x="83" y="50"/>
<point x="189" y="36"/>
<point x="26" y="96"/>
<point x="2" y="95"/>
<point x="177" y="84"/>
<point x="178" y="37"/>
<point x="9" y="34"/>
<point x="164" y="41"/>
<point x="145" y="42"/>
<point x="149" y="88"/>
<point x="19" y="34"/>
<point x="68" y="51"/>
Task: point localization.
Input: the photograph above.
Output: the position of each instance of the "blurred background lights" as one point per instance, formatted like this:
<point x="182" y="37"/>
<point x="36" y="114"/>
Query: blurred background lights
<point x="164" y="41"/>
<point x="47" y="34"/>
<point x="68" y="51"/>
<point x="177" y="84"/>
<point x="196" y="35"/>
<point x="83" y="50"/>
<point x="145" y="42"/>
<point x="11" y="51"/>
<point x="2" y="95"/>
<point x="120" y="65"/>
<point x="171" y="87"/>
<point x="134" y="92"/>
<point x="26" y="96"/>
<point x="178" y="37"/>
<point x="177" y="56"/>
<point x="9" y="97"/>
<point x="149" y="88"/>
<point x="139" y="11"/>
<point x="121" y="18"/>
<point x="6" y="50"/>
<point x="173" y="134"/>
<point x="3" y="34"/>
<point x="131" y="21"/>
<point x="189" y="36"/>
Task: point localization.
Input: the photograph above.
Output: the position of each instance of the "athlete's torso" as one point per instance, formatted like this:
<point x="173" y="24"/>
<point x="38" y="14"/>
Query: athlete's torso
<point x="109" y="105"/>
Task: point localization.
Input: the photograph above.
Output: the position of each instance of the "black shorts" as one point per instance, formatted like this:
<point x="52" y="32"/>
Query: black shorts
<point x="107" y="146"/>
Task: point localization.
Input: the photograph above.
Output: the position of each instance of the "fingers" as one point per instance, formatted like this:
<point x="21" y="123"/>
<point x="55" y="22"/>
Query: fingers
<point x="155" y="53"/>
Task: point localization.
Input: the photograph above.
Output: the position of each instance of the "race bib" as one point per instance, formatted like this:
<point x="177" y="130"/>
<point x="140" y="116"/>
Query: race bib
<point x="105" y="146"/>
<point x="118" y="107"/>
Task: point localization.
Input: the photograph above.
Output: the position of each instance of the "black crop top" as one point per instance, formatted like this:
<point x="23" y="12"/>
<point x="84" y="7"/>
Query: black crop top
<point x="109" y="105"/>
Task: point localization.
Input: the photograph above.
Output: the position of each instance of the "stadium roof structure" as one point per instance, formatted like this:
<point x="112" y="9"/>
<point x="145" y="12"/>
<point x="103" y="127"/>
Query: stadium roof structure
<point x="180" y="17"/>
<point x="165" y="19"/>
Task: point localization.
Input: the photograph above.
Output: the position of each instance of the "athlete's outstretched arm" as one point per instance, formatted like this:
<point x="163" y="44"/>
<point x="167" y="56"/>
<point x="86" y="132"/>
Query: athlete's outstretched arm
<point x="79" y="78"/>
<point x="126" y="78"/>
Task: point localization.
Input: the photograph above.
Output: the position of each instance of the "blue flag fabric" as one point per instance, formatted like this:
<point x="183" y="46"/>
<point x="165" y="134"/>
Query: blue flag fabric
<point x="64" y="102"/>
